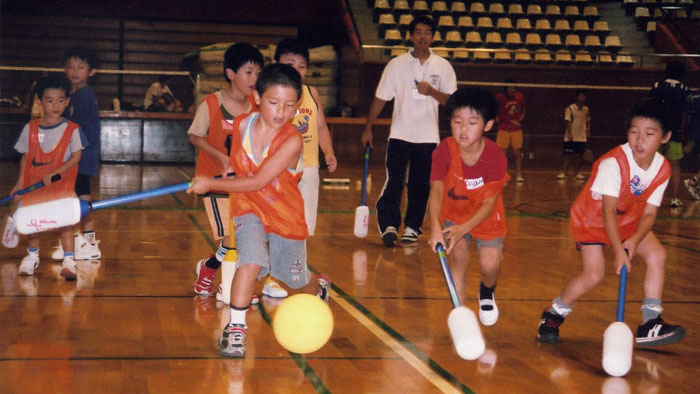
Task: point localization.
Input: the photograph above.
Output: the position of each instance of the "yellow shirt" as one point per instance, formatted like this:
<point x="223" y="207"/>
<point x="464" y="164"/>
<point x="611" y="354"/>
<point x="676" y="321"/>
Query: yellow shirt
<point x="306" y="123"/>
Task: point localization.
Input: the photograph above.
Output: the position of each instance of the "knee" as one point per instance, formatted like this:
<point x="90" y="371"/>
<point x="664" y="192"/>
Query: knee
<point x="593" y="278"/>
<point x="656" y="258"/>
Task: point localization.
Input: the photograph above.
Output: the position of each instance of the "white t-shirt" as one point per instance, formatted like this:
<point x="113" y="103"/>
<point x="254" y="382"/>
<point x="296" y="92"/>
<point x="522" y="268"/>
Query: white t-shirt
<point x="49" y="137"/>
<point x="607" y="182"/>
<point x="579" y="118"/>
<point x="415" y="117"/>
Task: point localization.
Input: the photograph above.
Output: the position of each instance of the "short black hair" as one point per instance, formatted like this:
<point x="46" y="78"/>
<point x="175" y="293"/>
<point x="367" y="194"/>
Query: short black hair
<point x="52" y="82"/>
<point x="649" y="108"/>
<point x="478" y="99"/>
<point x="675" y="70"/>
<point x="292" y="46"/>
<point x="240" y="54"/>
<point x="86" y="55"/>
<point x="278" y="74"/>
<point x="579" y="91"/>
<point x="423" y="19"/>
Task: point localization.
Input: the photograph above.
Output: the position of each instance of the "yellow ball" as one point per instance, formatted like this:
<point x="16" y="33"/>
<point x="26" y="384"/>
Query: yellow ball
<point x="303" y="323"/>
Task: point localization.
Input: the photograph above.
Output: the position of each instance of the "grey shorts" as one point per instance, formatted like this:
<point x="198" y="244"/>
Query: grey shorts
<point x="480" y="243"/>
<point x="282" y="258"/>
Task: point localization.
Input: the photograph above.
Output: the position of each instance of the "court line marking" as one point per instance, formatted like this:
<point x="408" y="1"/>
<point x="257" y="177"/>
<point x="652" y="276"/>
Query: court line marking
<point x="438" y="381"/>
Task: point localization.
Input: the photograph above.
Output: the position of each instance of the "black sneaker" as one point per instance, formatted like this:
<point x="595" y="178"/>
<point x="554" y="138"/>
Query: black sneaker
<point x="324" y="288"/>
<point x="549" y="327"/>
<point x="389" y="236"/>
<point x="656" y="332"/>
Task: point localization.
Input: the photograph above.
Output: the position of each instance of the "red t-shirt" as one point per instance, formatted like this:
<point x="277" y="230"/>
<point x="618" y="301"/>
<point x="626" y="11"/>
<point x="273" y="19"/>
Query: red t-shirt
<point x="490" y="167"/>
<point x="510" y="110"/>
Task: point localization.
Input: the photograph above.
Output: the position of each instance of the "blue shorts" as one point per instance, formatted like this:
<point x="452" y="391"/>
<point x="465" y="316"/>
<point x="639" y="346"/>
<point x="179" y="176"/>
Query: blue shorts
<point x="480" y="243"/>
<point x="282" y="258"/>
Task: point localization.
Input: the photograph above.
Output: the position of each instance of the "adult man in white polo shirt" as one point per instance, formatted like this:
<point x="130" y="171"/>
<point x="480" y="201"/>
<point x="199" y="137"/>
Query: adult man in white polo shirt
<point x="417" y="82"/>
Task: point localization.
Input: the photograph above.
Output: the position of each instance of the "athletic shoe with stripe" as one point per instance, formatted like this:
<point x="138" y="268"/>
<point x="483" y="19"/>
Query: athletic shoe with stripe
<point x="324" y="288"/>
<point x="656" y="332"/>
<point x="389" y="236"/>
<point x="205" y="278"/>
<point x="29" y="264"/>
<point x="232" y="341"/>
<point x="549" y="326"/>
<point x="409" y="236"/>
<point x="87" y="251"/>
<point x="273" y="289"/>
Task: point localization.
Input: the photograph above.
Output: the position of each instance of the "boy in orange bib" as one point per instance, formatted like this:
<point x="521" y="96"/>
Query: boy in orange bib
<point x="467" y="176"/>
<point x="617" y="207"/>
<point x="50" y="145"/>
<point x="266" y="204"/>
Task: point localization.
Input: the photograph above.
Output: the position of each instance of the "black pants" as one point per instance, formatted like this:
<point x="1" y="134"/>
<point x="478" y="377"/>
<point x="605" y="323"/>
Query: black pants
<point x="399" y="154"/>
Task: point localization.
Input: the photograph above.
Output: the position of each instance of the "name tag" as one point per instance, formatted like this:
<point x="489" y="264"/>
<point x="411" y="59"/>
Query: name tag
<point x="474" y="183"/>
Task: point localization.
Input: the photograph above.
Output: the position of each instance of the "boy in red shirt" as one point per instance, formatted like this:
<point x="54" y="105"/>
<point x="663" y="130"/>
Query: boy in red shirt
<point x="511" y="111"/>
<point x="266" y="204"/>
<point x="466" y="180"/>
<point x="617" y="207"/>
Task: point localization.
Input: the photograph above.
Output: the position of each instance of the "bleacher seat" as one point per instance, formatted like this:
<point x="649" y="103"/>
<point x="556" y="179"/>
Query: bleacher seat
<point x="458" y="8"/>
<point x="477" y="9"/>
<point x="496" y="10"/>
<point x="523" y="25"/>
<point x="494" y="40"/>
<point x="534" y="11"/>
<point x="484" y="23"/>
<point x="613" y="44"/>
<point x="513" y="40"/>
<point x="601" y="29"/>
<point x="533" y="41"/>
<point x="392" y="37"/>
<point x="583" y="58"/>
<point x="398" y="51"/>
<point x="561" y="26"/>
<point x="552" y="11"/>
<point x="453" y="39"/>
<point x="543" y="56"/>
<point x="695" y="15"/>
<point x="380" y="7"/>
<point x="563" y="57"/>
<point x="571" y="12"/>
<point x="642" y="16"/>
<point x="590" y="13"/>
<point x="442" y="53"/>
<point x="553" y="41"/>
<point x="680" y="14"/>
<point x="502" y="57"/>
<point x="515" y="10"/>
<point x="543" y="26"/>
<point x="386" y="21"/>
<point x="651" y="31"/>
<point x="523" y="56"/>
<point x="438" y="9"/>
<point x="404" y="21"/>
<point x="437" y="39"/>
<point x="473" y="39"/>
<point x="605" y="59"/>
<point x="581" y="26"/>
<point x="460" y="56"/>
<point x="482" y="57"/>
<point x="465" y="23"/>
<point x="401" y="7"/>
<point x="592" y="43"/>
<point x="420" y="8"/>
<point x="629" y="6"/>
<point x="504" y="25"/>
<point x="445" y="23"/>
<point x="572" y="42"/>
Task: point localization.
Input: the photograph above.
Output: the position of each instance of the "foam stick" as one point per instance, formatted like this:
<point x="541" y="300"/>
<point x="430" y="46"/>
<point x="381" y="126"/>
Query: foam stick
<point x="464" y="328"/>
<point x="362" y="212"/>
<point x="618" y="339"/>
<point x="68" y="211"/>
<point x="40" y="184"/>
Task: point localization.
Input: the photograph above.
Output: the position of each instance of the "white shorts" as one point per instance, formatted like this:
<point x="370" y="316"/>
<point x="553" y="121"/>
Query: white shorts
<point x="218" y="213"/>
<point x="308" y="186"/>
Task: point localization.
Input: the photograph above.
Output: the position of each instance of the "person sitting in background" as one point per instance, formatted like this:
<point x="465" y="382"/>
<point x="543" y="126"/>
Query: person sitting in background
<point x="159" y="97"/>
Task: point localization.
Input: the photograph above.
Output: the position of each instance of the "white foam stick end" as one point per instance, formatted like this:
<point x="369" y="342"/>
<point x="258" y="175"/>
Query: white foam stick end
<point x="618" y="342"/>
<point x="361" y="221"/>
<point x="10" y="237"/>
<point x="228" y="270"/>
<point x="466" y="333"/>
<point x="47" y="216"/>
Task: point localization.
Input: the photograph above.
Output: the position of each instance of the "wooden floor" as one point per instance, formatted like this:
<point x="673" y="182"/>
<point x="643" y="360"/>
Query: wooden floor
<point x="131" y="323"/>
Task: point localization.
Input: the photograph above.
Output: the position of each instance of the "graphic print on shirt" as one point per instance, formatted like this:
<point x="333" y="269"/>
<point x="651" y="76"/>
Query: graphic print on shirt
<point x="636" y="186"/>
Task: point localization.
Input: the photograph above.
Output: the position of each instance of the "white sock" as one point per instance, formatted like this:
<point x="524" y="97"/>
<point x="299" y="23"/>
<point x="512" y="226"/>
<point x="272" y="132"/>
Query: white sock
<point x="238" y="316"/>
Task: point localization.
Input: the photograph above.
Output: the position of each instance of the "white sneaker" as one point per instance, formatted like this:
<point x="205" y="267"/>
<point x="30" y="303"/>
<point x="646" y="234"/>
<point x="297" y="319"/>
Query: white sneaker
<point x="79" y="242"/>
<point x="561" y="176"/>
<point x="519" y="177"/>
<point x="69" y="269"/>
<point x="580" y="176"/>
<point x="29" y="264"/>
<point x="273" y="289"/>
<point x="87" y="251"/>
<point x="488" y="317"/>
<point x="676" y="203"/>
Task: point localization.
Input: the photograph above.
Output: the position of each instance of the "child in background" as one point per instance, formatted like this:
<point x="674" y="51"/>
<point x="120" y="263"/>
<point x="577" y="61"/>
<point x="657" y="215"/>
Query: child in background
<point x="511" y="111"/>
<point x="266" y="204"/>
<point x="466" y="180"/>
<point x="81" y="64"/>
<point x="310" y="121"/>
<point x="577" y="120"/>
<point x="617" y="207"/>
<point x="159" y="97"/>
<point x="50" y="145"/>
<point x="210" y="132"/>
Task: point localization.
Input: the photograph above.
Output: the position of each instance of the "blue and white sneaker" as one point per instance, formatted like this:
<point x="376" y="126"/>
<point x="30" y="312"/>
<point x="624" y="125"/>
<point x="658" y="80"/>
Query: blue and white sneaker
<point x="232" y="341"/>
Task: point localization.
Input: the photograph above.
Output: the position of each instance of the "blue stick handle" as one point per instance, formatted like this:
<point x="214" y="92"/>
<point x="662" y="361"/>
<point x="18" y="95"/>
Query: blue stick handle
<point x="40" y="184"/>
<point x="447" y="274"/>
<point x="621" y="294"/>
<point x="110" y="202"/>
<point x="364" y="176"/>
